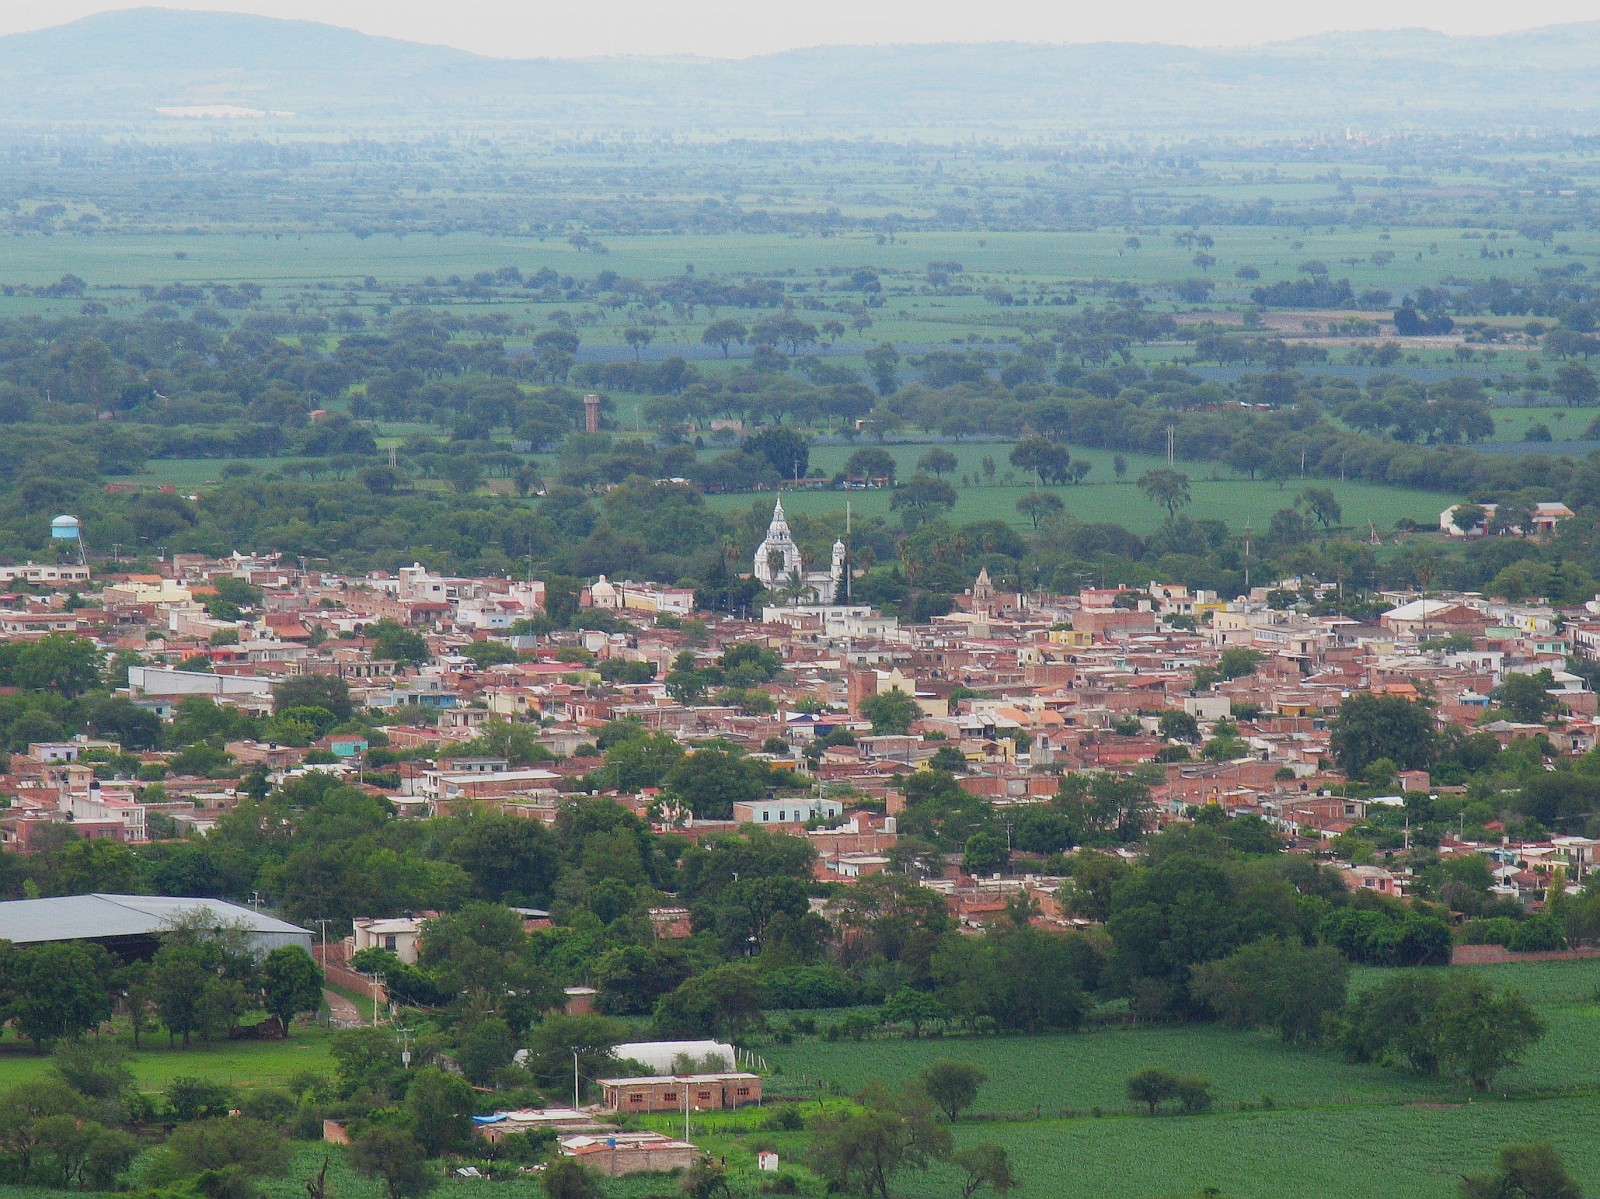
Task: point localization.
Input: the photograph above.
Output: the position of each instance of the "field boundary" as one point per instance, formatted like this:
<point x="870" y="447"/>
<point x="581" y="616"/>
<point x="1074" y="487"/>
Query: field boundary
<point x="1486" y="955"/>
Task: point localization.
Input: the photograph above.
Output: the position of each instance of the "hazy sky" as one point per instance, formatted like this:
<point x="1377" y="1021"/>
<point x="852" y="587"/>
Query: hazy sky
<point x="529" y="28"/>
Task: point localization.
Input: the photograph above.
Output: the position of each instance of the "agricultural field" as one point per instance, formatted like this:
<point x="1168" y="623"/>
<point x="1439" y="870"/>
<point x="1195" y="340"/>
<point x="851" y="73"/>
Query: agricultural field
<point x="1290" y="1123"/>
<point x="1218" y="494"/>
<point x="237" y="1063"/>
<point x="1564" y="424"/>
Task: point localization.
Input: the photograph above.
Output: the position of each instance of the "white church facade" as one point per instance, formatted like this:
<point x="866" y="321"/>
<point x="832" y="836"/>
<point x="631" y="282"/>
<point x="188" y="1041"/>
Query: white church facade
<point x="778" y="565"/>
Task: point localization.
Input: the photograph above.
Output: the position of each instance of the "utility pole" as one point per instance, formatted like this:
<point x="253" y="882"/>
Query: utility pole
<point x="849" y="554"/>
<point x="574" y="1080"/>
<point x="377" y="981"/>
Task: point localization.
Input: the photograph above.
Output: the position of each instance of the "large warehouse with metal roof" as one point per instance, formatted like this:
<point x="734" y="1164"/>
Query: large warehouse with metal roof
<point x="131" y="925"/>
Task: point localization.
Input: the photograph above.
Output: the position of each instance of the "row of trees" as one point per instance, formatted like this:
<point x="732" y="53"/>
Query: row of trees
<point x="205" y="979"/>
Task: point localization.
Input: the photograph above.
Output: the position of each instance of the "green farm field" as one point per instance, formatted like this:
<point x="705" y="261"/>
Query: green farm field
<point x="1290" y="1123"/>
<point x="1413" y="1151"/>
<point x="283" y="257"/>
<point x="1565" y="424"/>
<point x="237" y="1064"/>
<point x="1217" y="495"/>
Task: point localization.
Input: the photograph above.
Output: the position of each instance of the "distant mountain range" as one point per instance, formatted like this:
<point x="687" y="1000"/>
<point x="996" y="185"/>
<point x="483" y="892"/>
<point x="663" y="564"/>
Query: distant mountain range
<point x="159" y="64"/>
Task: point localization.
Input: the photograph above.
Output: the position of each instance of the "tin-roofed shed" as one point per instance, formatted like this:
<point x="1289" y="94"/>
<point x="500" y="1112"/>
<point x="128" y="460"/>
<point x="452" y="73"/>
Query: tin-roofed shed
<point x="131" y="925"/>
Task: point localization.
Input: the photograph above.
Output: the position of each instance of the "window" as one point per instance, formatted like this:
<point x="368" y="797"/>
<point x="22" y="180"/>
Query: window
<point x="742" y="1091"/>
<point x="389" y="943"/>
<point x="765" y="815"/>
<point x="635" y="1098"/>
<point x="669" y="1097"/>
<point x="703" y="1095"/>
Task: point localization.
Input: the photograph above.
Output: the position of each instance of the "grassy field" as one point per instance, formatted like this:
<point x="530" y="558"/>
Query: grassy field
<point x="1071" y="1074"/>
<point x="237" y="1063"/>
<point x="1356" y="1153"/>
<point x="1330" y="1127"/>
<point x="286" y="257"/>
<point x="1217" y="494"/>
<point x="1565" y="424"/>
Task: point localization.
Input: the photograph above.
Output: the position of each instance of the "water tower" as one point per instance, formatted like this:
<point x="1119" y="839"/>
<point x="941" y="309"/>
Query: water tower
<point x="591" y="414"/>
<point x="69" y="530"/>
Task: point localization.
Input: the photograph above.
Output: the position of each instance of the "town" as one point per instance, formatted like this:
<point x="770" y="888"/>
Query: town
<point x="656" y="603"/>
<point x="1226" y="703"/>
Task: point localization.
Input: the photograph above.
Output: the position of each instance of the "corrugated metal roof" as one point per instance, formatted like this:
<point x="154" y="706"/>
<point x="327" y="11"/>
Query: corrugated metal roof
<point x="82" y="917"/>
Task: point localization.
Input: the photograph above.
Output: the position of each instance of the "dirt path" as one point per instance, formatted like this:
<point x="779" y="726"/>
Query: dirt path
<point x="342" y="1010"/>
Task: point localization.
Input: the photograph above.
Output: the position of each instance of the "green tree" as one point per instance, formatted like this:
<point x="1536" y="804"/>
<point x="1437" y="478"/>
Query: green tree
<point x="919" y="497"/>
<point x="230" y="1146"/>
<point x="985" y="852"/>
<point x="952" y="1085"/>
<point x="487" y="1049"/>
<point x="367" y="1060"/>
<point x="1038" y="505"/>
<point x="1527" y="696"/>
<point x="870" y="463"/>
<point x="21" y="1110"/>
<point x="937" y="462"/>
<point x="1169" y="488"/>
<point x="190" y="1099"/>
<point x="463" y="472"/>
<point x="1455" y="1024"/>
<point x="860" y="1152"/>
<point x="517" y="743"/>
<point x="1194" y="1094"/>
<point x="93" y="1067"/>
<point x="58" y="991"/>
<point x="395" y="643"/>
<point x="57" y="662"/>
<point x="1319" y="503"/>
<point x="705" y="1179"/>
<point x="916" y="1008"/>
<point x="1050" y="462"/>
<point x="554" y="1040"/>
<point x="1533" y="1171"/>
<point x="439" y="1110"/>
<point x="1368" y="727"/>
<point x="178" y="978"/>
<point x="1279" y="984"/>
<point x="485" y="654"/>
<point x="891" y="712"/>
<point x="724" y="333"/>
<point x="395" y="1157"/>
<point x="1177" y="725"/>
<point x="711" y="781"/>
<point x="788" y="453"/>
<point x="1576" y="384"/>
<point x="1237" y="661"/>
<point x="291" y="984"/>
<point x="1152" y="1087"/>
<point x="565" y="1178"/>
<point x="985" y="1164"/>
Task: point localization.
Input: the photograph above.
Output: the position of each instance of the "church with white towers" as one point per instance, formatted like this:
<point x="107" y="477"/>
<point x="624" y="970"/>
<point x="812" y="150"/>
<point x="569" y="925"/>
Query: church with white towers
<point x="779" y="568"/>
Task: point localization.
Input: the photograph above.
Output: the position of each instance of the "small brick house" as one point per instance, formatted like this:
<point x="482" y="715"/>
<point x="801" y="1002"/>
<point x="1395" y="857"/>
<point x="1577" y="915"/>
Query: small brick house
<point x="664" y="1093"/>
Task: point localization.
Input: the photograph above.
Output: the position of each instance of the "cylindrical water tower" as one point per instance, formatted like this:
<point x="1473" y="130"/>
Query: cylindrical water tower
<point x="69" y="529"/>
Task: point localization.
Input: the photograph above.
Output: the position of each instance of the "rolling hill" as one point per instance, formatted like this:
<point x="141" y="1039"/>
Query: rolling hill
<point x="125" y="66"/>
